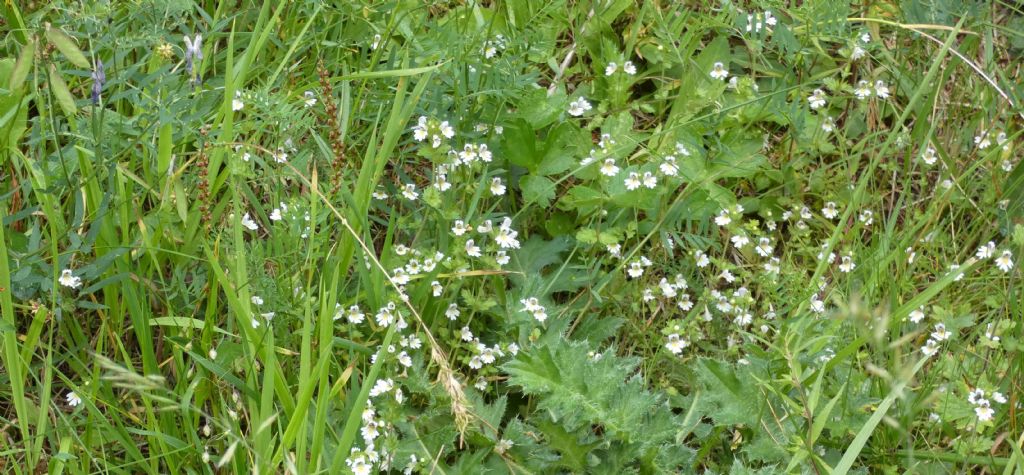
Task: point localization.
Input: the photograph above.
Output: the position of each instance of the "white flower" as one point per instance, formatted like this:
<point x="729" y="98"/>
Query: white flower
<point x="764" y="247"/>
<point x="376" y="42"/>
<point x="881" y="90"/>
<point x="280" y="156"/>
<point x="983" y="141"/>
<point x="857" y="53"/>
<point x="503" y="446"/>
<point x="472" y="249"/>
<point x="719" y="72"/>
<point x="446" y="129"/>
<point x="917" y="315"/>
<point x="409" y="191"/>
<point x="984" y="413"/>
<point x="828" y="125"/>
<point x="930" y="347"/>
<point x="275" y="215"/>
<point x="998" y="397"/>
<point x="649" y="180"/>
<point x="381" y="386"/>
<point x="863" y="90"/>
<point x="354" y="315"/>
<point x="723" y="218"/>
<point x="579" y="107"/>
<point x="452" y="312"/>
<point x="73" y="399"/>
<point x="817" y="99"/>
<point x="466" y="334"/>
<point x="629" y="68"/>
<point x="669" y="167"/>
<point x="830" y="211"/>
<point x="497" y="187"/>
<point x="865" y="37"/>
<point x="701" y="259"/>
<point x="502" y="258"/>
<point x="609" y="168"/>
<point x="310" y="98"/>
<point x="675" y="344"/>
<point x="940" y="333"/>
<point x="636" y="269"/>
<point x="249" y="223"/>
<point x="486" y="227"/>
<point x="1004" y="261"/>
<point x="459" y="228"/>
<point x="68" y="280"/>
<point x="847" y="265"/>
<point x="236" y="103"/>
<point x="436" y="288"/>
<point x="817" y="306"/>
<point x="986" y="251"/>
<point x="740" y="240"/>
<point x="441" y="182"/>
<point x="506" y="238"/>
<point x="404" y="359"/>
<point x="928" y="156"/>
<point x="867" y="217"/>
<point x="610" y="69"/>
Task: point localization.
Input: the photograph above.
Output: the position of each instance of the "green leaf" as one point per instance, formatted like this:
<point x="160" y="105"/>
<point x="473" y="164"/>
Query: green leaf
<point x="23" y="65"/>
<point x="61" y="92"/>
<point x="67" y="46"/>
<point x="537" y="189"/>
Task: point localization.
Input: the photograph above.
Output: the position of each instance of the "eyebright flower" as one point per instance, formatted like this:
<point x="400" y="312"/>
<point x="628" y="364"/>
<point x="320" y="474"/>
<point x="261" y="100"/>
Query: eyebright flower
<point x="409" y="191"/>
<point x="236" y="103"/>
<point x="675" y="344"/>
<point x="857" y="53"/>
<point x="452" y="312"/>
<point x="764" y="247"/>
<point x="881" y="90"/>
<point x="459" y="228"/>
<point x="986" y="251"/>
<point x="668" y="166"/>
<point x="610" y="69"/>
<point x="983" y="141"/>
<point x="928" y="156"/>
<point x="719" y="72"/>
<point x="917" y="315"/>
<point x="472" y="249"/>
<point x="67" y="279"/>
<point x="830" y="211"/>
<point x="309" y="98"/>
<point x="863" y="90"/>
<point x="609" y="168"/>
<point x="649" y="180"/>
<point x="248" y="222"/>
<point x="817" y="99"/>
<point x="629" y="68"/>
<point x="579" y="107"/>
<point x="497" y="187"/>
<point x="847" y="265"/>
<point x="828" y="125"/>
<point x="930" y="347"/>
<point x="1005" y="262"/>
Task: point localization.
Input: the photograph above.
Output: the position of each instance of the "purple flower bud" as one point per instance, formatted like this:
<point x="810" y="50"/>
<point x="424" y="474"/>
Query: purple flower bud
<point x="99" y="78"/>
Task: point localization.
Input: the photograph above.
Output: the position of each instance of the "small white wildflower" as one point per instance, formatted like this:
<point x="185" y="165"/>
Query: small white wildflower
<point x="497" y="187"/>
<point x="817" y="99"/>
<point x="248" y="223"/>
<point x="579" y="107"/>
<point x="863" y="90"/>
<point x="1005" y="262"/>
<point x="719" y="72"/>
<point x="609" y="168"/>
<point x="67" y="279"/>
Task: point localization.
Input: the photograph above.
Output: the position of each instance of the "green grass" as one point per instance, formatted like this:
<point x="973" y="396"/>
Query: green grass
<point x="226" y="220"/>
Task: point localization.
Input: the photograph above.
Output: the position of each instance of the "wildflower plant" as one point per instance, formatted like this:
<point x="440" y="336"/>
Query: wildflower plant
<point x="541" y="237"/>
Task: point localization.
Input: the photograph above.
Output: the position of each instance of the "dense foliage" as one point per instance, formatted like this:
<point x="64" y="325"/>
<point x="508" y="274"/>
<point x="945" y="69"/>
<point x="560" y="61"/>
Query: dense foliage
<point x="511" y="237"/>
